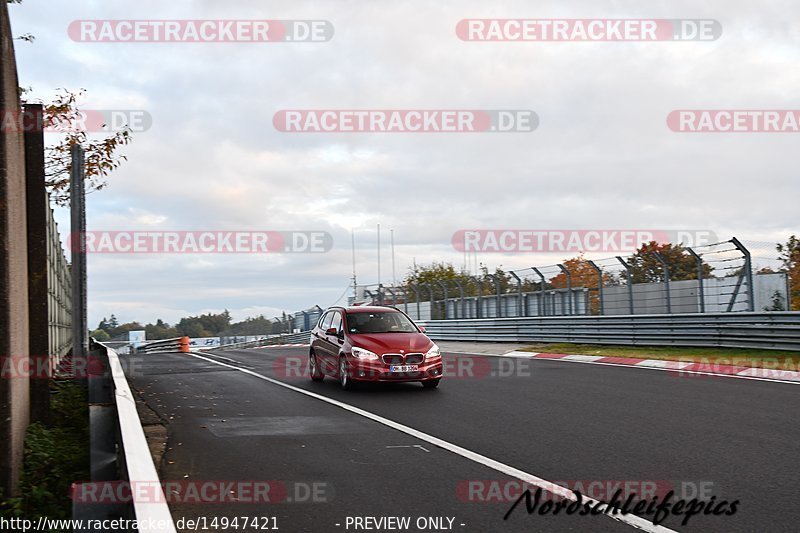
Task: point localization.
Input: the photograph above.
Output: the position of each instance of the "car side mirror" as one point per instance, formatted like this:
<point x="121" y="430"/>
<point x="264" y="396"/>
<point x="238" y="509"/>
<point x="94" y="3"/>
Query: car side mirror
<point x="331" y="331"/>
<point x="421" y="328"/>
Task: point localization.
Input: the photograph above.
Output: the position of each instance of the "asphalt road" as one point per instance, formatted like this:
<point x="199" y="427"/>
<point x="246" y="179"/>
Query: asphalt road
<point x="591" y="427"/>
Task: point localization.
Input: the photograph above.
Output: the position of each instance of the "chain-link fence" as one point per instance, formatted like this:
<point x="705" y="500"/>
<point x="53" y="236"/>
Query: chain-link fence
<point x="59" y="294"/>
<point x="714" y="278"/>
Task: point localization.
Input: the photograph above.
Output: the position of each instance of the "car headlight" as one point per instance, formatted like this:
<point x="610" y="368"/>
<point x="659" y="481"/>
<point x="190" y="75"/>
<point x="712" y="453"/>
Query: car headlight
<point x="433" y="353"/>
<point x="361" y="353"/>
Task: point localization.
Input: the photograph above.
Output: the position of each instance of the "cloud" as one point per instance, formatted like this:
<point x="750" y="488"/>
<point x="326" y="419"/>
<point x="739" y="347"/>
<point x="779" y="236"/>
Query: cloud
<point x="602" y="156"/>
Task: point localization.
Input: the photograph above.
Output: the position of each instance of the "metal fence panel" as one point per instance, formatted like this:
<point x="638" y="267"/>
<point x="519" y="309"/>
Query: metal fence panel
<point x="775" y="330"/>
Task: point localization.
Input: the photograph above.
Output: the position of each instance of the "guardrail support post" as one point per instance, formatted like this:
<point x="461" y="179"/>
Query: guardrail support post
<point x="416" y="297"/>
<point x="700" y="277"/>
<point x="599" y="284"/>
<point x="542" y="306"/>
<point x="519" y="292"/>
<point x="748" y="273"/>
<point x="479" y="299"/>
<point x="461" y="294"/>
<point x="629" y="278"/>
<point x="394" y="296"/>
<point x="569" y="284"/>
<point x="498" y="298"/>
<point x="665" y="266"/>
<point x="444" y="289"/>
<point x="430" y="295"/>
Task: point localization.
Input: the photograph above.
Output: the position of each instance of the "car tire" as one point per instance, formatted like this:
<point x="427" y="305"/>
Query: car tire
<point x="313" y="368"/>
<point x="344" y="375"/>
<point x="431" y="383"/>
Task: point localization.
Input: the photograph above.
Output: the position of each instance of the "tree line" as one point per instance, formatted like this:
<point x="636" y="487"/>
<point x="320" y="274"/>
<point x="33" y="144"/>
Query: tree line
<point x="207" y="325"/>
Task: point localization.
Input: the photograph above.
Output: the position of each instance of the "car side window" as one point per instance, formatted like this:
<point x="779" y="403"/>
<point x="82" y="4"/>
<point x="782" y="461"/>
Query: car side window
<point x="337" y="321"/>
<point x="326" y="320"/>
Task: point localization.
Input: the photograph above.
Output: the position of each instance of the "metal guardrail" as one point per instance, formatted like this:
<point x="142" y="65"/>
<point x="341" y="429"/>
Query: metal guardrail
<point x="118" y="448"/>
<point x="303" y="337"/>
<point x="166" y="345"/>
<point x="773" y="330"/>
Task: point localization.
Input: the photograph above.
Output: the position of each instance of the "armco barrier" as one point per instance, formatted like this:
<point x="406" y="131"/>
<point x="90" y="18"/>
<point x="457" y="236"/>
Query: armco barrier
<point x="777" y="330"/>
<point x="304" y="337"/>
<point x="118" y="448"/>
<point x="178" y="344"/>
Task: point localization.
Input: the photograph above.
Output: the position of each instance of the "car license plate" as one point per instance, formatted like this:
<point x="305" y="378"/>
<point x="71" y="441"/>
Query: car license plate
<point x="404" y="368"/>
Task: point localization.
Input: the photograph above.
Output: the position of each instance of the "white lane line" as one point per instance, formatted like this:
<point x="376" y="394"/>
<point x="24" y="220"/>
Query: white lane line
<point x="629" y="519"/>
<point x="230" y="360"/>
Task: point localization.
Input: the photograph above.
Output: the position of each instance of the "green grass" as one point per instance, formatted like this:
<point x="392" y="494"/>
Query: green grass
<point x="778" y="359"/>
<point x="55" y="457"/>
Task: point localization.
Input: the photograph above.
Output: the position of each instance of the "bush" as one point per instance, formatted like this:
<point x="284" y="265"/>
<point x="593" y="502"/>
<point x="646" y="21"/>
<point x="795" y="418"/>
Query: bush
<point x="55" y="457"/>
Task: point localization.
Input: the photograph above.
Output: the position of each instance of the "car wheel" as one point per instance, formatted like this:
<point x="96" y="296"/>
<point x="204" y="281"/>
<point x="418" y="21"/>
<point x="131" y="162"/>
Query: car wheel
<point x="344" y="375"/>
<point x="313" y="368"/>
<point x="431" y="384"/>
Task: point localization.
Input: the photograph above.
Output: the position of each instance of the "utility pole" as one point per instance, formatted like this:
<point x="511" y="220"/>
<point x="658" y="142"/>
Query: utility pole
<point x="355" y="282"/>
<point x="379" y="255"/>
<point x="394" y="277"/>
<point x="80" y="344"/>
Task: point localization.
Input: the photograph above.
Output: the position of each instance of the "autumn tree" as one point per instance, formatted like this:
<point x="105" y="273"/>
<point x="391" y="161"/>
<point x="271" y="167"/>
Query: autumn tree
<point x="789" y="255"/>
<point x="431" y="274"/>
<point x="208" y="325"/>
<point x="63" y="116"/>
<point x="124" y="328"/>
<point x="160" y="330"/>
<point x="646" y="268"/>
<point x="259" y="325"/>
<point x="583" y="274"/>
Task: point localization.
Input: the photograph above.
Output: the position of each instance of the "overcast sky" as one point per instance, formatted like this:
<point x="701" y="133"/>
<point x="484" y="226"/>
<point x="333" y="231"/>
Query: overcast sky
<point x="602" y="156"/>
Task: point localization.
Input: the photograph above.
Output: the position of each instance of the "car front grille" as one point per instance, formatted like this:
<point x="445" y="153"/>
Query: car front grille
<point x="414" y="358"/>
<point x="400" y="359"/>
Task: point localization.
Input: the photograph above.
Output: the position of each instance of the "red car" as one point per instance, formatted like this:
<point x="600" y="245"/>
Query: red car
<point x="376" y="344"/>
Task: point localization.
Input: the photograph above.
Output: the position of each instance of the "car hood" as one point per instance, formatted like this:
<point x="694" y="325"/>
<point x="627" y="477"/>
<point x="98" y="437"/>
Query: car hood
<point x="382" y="343"/>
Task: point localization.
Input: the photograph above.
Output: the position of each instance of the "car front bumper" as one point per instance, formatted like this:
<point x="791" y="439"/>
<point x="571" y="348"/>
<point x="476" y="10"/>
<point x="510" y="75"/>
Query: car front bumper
<point x="378" y="371"/>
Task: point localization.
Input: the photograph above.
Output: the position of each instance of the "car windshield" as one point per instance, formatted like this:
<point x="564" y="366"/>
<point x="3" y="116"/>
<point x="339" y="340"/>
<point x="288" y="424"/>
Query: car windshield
<point x="379" y="322"/>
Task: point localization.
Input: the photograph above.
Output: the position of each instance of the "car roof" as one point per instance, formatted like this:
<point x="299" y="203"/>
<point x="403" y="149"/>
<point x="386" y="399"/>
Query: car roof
<point x="368" y="309"/>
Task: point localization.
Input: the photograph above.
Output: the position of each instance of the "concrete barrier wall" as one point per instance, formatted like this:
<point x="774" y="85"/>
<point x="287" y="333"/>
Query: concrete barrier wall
<point x="14" y="392"/>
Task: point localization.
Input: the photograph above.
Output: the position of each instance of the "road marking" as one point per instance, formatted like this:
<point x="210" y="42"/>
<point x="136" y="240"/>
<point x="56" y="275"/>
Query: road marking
<point x="649" y="364"/>
<point x="419" y="446"/>
<point x="629" y="519"/>
<point x="230" y="360"/>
